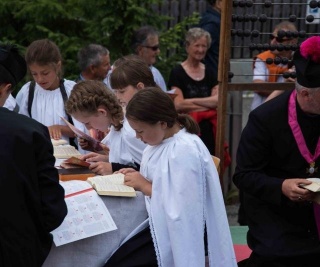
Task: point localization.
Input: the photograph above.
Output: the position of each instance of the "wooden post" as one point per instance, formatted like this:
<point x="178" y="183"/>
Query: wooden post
<point x="225" y="86"/>
<point x="223" y="69"/>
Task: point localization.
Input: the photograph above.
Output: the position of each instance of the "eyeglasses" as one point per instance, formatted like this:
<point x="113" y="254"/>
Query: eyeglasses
<point x="153" y="48"/>
<point x="279" y="39"/>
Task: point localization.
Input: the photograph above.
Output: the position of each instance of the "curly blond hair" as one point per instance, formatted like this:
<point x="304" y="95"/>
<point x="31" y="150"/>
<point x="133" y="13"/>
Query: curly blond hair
<point x="87" y="96"/>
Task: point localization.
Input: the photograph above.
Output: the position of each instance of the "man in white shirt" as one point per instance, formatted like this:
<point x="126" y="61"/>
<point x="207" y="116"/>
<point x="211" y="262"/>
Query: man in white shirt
<point x="94" y="62"/>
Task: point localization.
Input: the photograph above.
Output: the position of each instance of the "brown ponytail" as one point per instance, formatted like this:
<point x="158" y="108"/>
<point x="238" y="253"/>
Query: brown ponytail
<point x="152" y="105"/>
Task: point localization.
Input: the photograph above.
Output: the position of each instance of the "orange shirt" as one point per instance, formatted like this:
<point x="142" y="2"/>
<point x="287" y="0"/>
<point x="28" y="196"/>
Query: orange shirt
<point x="274" y="70"/>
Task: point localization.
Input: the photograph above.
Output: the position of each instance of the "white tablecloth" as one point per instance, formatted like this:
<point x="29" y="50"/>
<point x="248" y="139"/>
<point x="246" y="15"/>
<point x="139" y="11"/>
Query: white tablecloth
<point x="127" y="213"/>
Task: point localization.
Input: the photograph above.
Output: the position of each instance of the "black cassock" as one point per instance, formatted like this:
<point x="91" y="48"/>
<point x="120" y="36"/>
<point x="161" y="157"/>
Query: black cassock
<point x="31" y="199"/>
<point x="268" y="154"/>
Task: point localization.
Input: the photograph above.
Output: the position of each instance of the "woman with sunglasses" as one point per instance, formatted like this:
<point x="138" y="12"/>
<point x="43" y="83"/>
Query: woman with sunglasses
<point x="263" y="72"/>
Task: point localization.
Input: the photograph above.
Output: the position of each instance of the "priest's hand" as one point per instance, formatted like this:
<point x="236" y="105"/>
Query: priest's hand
<point x="292" y="189"/>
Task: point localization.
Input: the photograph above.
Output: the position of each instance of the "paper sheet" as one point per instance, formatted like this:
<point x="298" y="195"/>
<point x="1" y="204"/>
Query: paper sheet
<point x="87" y="214"/>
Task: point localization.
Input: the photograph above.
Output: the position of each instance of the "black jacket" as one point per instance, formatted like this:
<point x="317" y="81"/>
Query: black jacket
<point x="31" y="199"/>
<point x="210" y="21"/>
<point x="268" y="154"/>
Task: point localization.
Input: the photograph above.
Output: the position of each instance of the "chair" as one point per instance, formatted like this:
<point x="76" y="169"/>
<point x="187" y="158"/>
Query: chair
<point x="216" y="161"/>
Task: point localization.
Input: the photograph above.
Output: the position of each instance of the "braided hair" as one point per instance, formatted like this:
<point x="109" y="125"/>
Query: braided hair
<point x="87" y="96"/>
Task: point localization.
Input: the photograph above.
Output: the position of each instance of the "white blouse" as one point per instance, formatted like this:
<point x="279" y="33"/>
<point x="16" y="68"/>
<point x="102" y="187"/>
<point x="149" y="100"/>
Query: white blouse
<point x="10" y="103"/>
<point x="47" y="106"/>
<point x="124" y="147"/>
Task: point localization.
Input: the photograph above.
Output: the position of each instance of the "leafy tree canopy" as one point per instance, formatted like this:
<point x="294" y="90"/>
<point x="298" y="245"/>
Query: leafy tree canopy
<point x="72" y="24"/>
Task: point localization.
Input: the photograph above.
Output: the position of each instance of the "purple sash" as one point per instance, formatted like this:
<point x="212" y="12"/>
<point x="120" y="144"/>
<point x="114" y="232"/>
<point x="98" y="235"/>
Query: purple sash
<point x="298" y="136"/>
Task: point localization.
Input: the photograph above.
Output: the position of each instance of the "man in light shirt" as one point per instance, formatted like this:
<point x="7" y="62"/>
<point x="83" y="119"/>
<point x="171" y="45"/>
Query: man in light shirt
<point x="145" y="43"/>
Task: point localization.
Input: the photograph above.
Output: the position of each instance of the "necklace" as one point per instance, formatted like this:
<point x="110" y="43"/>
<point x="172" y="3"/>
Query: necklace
<point x="298" y="136"/>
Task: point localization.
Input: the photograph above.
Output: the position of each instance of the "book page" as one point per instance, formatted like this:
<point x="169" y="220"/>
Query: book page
<point x="315" y="186"/>
<point x="117" y="178"/>
<point x="95" y="143"/>
<point x="104" y="187"/>
<point x="87" y="214"/>
<point x="107" y="184"/>
<point x="72" y="187"/>
<point x="58" y="142"/>
<point x="65" y="151"/>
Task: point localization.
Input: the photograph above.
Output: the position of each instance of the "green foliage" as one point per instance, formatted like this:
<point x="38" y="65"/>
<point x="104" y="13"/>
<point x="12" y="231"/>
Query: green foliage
<point x="72" y="24"/>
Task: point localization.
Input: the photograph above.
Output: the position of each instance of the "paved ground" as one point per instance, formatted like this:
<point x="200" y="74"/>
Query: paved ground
<point x="232" y="213"/>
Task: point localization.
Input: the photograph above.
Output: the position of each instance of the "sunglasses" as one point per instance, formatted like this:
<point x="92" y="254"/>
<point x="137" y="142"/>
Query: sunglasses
<point x="153" y="48"/>
<point x="279" y="39"/>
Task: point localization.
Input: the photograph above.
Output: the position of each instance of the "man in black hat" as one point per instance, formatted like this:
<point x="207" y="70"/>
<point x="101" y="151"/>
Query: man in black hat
<point x="31" y="199"/>
<point x="279" y="148"/>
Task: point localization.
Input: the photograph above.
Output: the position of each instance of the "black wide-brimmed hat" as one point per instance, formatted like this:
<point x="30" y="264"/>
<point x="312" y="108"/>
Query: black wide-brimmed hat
<point x="13" y="66"/>
<point x="307" y="62"/>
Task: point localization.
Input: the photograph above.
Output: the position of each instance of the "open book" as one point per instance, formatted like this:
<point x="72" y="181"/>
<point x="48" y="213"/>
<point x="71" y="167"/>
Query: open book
<point x="74" y="162"/>
<point x="74" y="168"/>
<point x="65" y="151"/>
<point x="58" y="142"/>
<point x="93" y="142"/>
<point x="111" y="185"/>
<point x="315" y="186"/>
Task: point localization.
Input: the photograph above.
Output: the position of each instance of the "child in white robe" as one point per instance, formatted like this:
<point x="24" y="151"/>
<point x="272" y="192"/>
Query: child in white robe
<point x="44" y="62"/>
<point x="181" y="184"/>
<point x="130" y="75"/>
<point x="98" y="108"/>
<point x="11" y="104"/>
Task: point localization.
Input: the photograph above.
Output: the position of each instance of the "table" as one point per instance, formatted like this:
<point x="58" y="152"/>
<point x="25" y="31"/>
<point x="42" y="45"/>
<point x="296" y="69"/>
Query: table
<point x="127" y="213"/>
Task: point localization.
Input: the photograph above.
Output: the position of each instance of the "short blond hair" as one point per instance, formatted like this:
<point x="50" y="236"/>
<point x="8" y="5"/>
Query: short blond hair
<point x="194" y="34"/>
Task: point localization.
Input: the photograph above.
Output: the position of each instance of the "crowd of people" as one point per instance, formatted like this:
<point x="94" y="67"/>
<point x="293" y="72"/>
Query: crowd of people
<point x="164" y="146"/>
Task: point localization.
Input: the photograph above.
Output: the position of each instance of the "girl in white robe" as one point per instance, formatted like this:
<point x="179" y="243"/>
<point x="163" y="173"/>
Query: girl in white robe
<point x="98" y="108"/>
<point x="44" y="62"/>
<point x="181" y="184"/>
<point x="130" y="75"/>
<point x="87" y="101"/>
